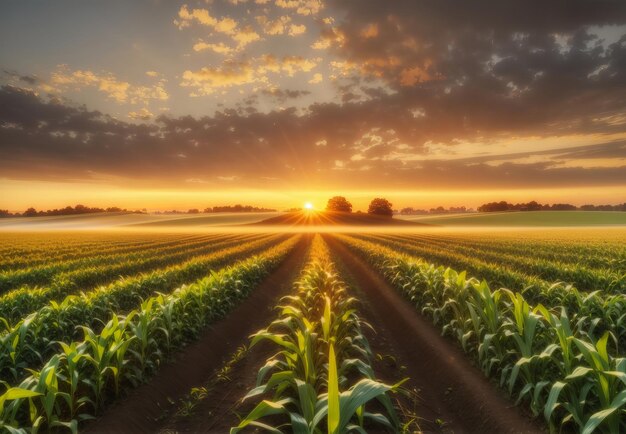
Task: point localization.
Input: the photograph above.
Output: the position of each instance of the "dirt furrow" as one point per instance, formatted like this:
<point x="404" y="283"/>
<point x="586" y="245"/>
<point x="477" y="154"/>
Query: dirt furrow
<point x="143" y="409"/>
<point x="454" y="395"/>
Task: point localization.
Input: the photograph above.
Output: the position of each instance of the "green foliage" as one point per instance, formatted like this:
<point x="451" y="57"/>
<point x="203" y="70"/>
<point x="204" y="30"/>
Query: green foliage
<point x="84" y="375"/>
<point x="321" y="351"/>
<point x="565" y="364"/>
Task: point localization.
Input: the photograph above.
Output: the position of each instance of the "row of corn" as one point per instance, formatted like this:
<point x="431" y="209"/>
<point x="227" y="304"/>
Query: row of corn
<point x="547" y="357"/>
<point x="33" y="293"/>
<point x="320" y="379"/>
<point x="28" y="342"/>
<point x="84" y="375"/>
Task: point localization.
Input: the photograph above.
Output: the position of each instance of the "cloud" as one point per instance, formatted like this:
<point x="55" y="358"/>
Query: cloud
<point x="57" y="140"/>
<point x="416" y="93"/>
<point x="219" y="48"/>
<point x="232" y="73"/>
<point x="277" y="26"/>
<point x="297" y="29"/>
<point x="301" y="7"/>
<point x="282" y="95"/>
<point x="245" y="36"/>
<point x="317" y="78"/>
<point x="242" y="36"/>
<point x="14" y="76"/>
<point x="143" y="114"/>
<point x="64" y="79"/>
<point x="207" y="80"/>
<point x="287" y="64"/>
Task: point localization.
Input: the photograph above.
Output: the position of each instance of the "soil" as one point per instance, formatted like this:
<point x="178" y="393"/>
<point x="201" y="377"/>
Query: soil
<point x="454" y="396"/>
<point x="219" y="410"/>
<point x="144" y="409"/>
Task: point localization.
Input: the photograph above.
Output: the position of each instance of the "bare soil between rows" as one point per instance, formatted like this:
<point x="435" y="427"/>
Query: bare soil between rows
<point x="454" y="395"/>
<point x="143" y="410"/>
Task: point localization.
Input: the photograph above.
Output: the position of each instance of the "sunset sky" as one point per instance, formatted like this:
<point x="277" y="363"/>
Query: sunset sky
<point x="166" y="104"/>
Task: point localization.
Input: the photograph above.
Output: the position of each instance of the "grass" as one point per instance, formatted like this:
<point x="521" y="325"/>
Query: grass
<point x="530" y="218"/>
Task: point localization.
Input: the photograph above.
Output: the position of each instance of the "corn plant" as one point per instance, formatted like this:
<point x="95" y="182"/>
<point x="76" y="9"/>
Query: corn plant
<point x="320" y="346"/>
<point x="565" y="366"/>
<point x="76" y="383"/>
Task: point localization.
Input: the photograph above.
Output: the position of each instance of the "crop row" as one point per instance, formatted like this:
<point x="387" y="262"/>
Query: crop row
<point x="534" y="288"/>
<point x="35" y="244"/>
<point x="83" y="376"/>
<point x="321" y="379"/>
<point x="57" y="270"/>
<point x="606" y="311"/>
<point x="606" y="255"/>
<point x="529" y="270"/>
<point x="557" y="361"/>
<point x="80" y="251"/>
<point x="18" y="303"/>
<point x="568" y="246"/>
<point x="30" y="341"/>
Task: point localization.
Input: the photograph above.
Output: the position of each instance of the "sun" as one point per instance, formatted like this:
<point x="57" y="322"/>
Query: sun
<point x="308" y="206"/>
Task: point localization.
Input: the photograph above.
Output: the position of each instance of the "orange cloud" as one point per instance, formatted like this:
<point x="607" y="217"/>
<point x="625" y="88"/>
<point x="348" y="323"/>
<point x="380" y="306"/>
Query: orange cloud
<point x="116" y="89"/>
<point x="219" y="48"/>
<point x="233" y="73"/>
<point x="302" y="7"/>
<point x="208" y="80"/>
<point x="317" y="78"/>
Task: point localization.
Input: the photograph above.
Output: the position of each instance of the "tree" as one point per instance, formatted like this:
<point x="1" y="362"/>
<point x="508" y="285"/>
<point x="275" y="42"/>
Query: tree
<point x="380" y="206"/>
<point x="338" y="203"/>
<point x="30" y="212"/>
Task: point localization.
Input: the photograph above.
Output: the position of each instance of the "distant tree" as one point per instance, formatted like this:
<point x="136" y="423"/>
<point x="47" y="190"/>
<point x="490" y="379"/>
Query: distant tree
<point x="193" y="211"/>
<point x="496" y="207"/>
<point x="338" y="203"/>
<point x="380" y="206"/>
<point x="563" y="207"/>
<point x="532" y="206"/>
<point x="5" y="213"/>
<point x="30" y="212"/>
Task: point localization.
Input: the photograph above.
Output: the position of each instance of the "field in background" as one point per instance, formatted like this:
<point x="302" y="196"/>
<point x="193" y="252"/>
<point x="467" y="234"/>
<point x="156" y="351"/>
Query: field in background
<point x="529" y="218"/>
<point x="115" y="220"/>
<point x="185" y="222"/>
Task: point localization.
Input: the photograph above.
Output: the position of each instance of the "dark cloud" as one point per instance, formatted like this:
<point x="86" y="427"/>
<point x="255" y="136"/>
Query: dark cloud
<point x="28" y="79"/>
<point x="45" y="139"/>
<point x="417" y="72"/>
<point x="283" y="95"/>
<point x="486" y="66"/>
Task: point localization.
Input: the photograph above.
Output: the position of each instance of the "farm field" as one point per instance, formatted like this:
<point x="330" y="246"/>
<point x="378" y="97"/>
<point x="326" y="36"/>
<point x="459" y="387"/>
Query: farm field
<point x="527" y="218"/>
<point x="476" y="330"/>
<point x="120" y="220"/>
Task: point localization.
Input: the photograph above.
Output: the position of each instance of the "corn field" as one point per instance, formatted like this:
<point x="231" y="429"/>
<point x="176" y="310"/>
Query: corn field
<point x="85" y="319"/>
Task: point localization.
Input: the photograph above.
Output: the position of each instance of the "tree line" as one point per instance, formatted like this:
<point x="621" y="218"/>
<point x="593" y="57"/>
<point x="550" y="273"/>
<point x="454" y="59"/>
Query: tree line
<point x="82" y="209"/>
<point x="222" y="208"/>
<point x="68" y="210"/>
<point x="535" y="206"/>
<point x="409" y="210"/>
